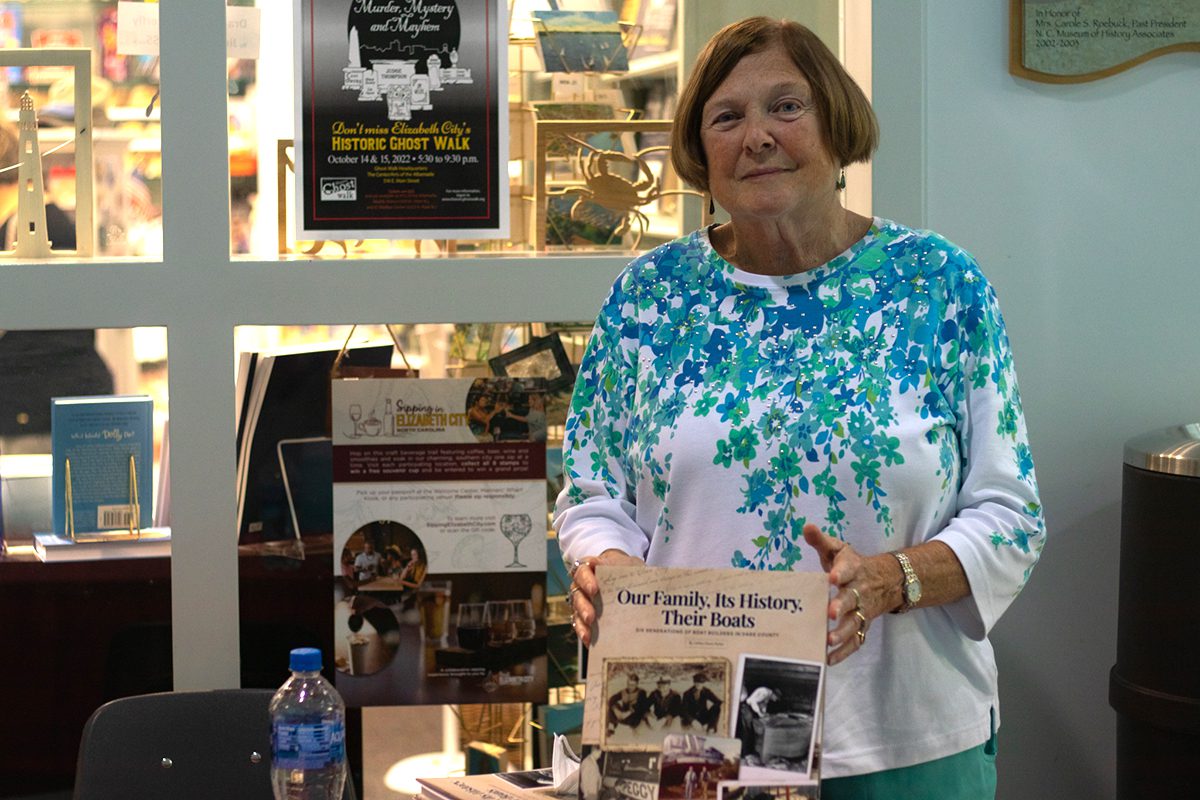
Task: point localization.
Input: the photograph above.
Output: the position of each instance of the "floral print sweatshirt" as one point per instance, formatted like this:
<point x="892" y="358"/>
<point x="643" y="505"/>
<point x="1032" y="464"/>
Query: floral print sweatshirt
<point x="717" y="411"/>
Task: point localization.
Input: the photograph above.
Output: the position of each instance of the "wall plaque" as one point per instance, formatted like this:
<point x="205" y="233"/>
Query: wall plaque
<point x="1071" y="41"/>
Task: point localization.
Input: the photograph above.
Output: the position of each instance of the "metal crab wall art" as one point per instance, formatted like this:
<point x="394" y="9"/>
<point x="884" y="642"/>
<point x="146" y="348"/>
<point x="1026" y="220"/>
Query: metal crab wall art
<point x="606" y="184"/>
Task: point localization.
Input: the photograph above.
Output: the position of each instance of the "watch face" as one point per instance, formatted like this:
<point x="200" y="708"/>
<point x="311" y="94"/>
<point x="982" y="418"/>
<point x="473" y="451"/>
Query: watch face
<point x="912" y="591"/>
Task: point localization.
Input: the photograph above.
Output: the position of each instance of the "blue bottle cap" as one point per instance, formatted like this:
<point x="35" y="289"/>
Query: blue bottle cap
<point x="305" y="659"/>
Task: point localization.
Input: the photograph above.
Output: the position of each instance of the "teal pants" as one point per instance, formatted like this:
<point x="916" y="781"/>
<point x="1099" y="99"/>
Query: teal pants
<point x="969" y="775"/>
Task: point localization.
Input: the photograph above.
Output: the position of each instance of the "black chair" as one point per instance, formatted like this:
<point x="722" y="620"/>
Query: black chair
<point x="178" y="745"/>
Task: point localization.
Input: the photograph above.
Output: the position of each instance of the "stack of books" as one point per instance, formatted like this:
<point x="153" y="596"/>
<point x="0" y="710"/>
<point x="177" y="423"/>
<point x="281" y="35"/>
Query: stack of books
<point x="532" y="785"/>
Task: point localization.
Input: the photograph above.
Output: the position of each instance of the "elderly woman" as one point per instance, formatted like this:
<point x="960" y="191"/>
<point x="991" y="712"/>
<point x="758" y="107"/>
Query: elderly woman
<point x="806" y="388"/>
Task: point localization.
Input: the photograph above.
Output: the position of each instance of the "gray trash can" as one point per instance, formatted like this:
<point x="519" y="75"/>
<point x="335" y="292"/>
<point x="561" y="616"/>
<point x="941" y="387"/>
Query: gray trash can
<point x="1155" y="685"/>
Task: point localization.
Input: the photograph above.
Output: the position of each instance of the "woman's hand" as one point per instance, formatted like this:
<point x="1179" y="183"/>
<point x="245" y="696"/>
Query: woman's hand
<point x="866" y="586"/>
<point x="584" y="588"/>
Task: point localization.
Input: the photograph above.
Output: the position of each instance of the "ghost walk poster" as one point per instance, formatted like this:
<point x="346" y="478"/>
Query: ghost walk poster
<point x="402" y="124"/>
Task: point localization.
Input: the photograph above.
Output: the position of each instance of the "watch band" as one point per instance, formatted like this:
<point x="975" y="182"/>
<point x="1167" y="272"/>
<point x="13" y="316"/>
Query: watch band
<point x="910" y="586"/>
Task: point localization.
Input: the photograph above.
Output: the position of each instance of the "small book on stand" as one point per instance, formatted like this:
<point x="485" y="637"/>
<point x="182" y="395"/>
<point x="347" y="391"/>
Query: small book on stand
<point x="102" y="450"/>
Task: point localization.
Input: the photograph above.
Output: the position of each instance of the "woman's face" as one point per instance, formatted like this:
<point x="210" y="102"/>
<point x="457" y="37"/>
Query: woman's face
<point x="762" y="140"/>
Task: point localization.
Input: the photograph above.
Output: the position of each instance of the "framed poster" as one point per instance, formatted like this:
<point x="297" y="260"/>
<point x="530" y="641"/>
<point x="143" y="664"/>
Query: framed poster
<point x="402" y="124"/>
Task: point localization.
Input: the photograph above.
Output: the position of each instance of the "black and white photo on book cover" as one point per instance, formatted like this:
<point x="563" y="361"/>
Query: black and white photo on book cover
<point x="402" y="122"/>
<point x="776" y="715"/>
<point x="647" y="699"/>
<point x="439" y="543"/>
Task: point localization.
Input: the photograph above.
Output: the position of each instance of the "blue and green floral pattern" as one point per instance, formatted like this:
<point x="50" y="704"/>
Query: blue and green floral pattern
<point x="818" y="395"/>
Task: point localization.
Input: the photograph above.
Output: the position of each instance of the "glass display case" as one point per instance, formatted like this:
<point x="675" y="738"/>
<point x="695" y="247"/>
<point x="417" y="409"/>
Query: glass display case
<point x="186" y="225"/>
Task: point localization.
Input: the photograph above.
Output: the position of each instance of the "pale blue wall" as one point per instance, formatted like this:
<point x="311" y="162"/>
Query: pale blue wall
<point x="1082" y="203"/>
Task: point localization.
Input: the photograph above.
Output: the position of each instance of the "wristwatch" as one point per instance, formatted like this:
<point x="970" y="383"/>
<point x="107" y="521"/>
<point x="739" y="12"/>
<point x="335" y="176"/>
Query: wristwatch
<point x="910" y="588"/>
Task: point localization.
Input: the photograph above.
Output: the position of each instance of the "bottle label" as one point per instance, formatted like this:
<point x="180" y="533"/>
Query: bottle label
<point x="308" y="746"/>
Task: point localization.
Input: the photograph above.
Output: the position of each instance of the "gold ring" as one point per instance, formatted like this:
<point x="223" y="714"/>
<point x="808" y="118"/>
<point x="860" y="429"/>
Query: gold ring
<point x="575" y="565"/>
<point x="857" y="598"/>
<point x="862" y="623"/>
<point x="572" y="590"/>
<point x="862" y="637"/>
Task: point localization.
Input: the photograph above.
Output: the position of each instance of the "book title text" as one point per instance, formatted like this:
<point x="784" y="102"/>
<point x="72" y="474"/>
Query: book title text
<point x="696" y="609"/>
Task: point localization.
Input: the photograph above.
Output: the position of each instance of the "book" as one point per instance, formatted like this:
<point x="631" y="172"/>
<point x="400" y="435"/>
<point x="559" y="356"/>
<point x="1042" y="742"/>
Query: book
<point x="530" y="785"/>
<point x="282" y="395"/>
<point x="162" y="502"/>
<point x="107" y="444"/>
<point x="152" y="543"/>
<point x="747" y="660"/>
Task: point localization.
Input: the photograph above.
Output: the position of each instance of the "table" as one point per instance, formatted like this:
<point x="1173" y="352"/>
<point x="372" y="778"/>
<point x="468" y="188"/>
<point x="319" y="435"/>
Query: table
<point x="76" y="634"/>
<point x="388" y="583"/>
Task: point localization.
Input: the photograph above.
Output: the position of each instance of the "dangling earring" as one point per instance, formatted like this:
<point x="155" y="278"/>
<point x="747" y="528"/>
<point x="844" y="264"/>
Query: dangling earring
<point x="712" y="209"/>
<point x="841" y="181"/>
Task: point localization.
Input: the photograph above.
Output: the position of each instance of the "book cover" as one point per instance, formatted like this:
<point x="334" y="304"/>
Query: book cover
<point x="152" y="543"/>
<point x="98" y="436"/>
<point x="283" y="396"/>
<point x="530" y="785"/>
<point x="747" y="660"/>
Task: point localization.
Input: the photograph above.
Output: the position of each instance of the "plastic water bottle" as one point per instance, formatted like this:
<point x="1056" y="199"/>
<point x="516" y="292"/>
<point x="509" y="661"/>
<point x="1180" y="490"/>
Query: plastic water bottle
<point x="308" y="733"/>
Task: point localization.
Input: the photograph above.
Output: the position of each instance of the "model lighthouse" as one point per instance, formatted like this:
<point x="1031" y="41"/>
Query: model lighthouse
<point x="31" y="203"/>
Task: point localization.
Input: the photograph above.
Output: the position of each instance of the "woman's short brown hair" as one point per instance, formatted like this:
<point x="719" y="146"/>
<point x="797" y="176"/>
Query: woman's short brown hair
<point x="847" y="122"/>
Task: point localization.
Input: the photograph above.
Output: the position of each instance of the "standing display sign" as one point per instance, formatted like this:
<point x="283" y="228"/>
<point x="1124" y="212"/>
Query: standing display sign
<point x="439" y="524"/>
<point x="402" y="124"/>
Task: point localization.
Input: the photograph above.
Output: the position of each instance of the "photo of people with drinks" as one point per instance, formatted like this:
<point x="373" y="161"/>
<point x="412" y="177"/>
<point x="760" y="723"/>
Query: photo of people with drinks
<point x="406" y="635"/>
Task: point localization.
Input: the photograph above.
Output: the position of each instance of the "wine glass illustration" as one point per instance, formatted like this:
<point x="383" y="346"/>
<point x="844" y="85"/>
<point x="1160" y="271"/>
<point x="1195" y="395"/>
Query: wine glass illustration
<point x="515" y="528"/>
<point x="355" y="416"/>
